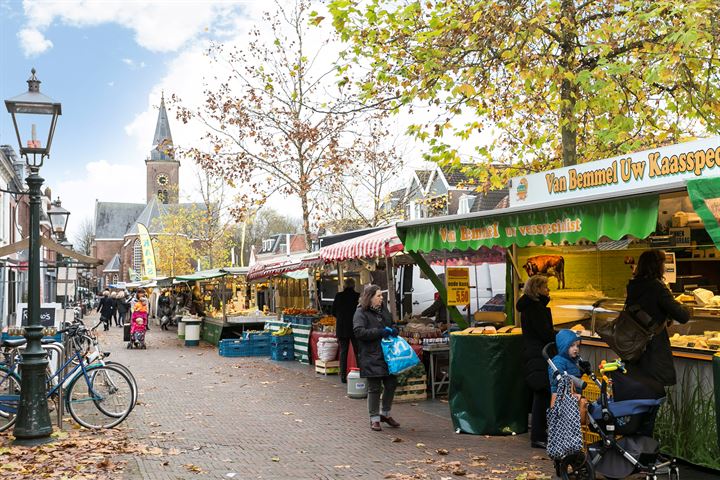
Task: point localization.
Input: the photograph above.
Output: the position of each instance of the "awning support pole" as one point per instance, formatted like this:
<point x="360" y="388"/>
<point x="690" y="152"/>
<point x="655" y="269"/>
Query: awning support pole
<point x="455" y="315"/>
<point x="389" y="267"/>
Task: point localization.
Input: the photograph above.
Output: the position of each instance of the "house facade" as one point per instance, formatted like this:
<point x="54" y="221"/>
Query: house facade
<point x="15" y="226"/>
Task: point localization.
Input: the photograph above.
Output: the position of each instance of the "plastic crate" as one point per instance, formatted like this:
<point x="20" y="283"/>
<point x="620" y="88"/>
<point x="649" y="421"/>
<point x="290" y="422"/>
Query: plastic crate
<point x="282" y="340"/>
<point x="592" y="391"/>
<point x="253" y="336"/>
<point x="306" y="321"/>
<point x="282" y="353"/>
<point x="588" y="436"/>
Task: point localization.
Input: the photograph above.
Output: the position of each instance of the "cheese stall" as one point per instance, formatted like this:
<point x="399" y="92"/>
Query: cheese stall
<point x="585" y="226"/>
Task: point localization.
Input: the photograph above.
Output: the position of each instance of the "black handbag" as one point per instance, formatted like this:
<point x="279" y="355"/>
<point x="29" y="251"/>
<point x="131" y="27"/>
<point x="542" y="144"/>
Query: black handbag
<point x="629" y="334"/>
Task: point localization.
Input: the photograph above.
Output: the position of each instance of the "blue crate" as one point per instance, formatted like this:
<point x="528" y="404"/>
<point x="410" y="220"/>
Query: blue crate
<point x="256" y="335"/>
<point x="282" y="353"/>
<point x="303" y="320"/>
<point x="282" y="340"/>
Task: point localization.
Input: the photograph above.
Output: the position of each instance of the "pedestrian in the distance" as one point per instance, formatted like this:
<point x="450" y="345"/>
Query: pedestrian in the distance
<point x="123" y="305"/>
<point x="106" y="307"/>
<point x="113" y="296"/>
<point x="537" y="331"/>
<point x="371" y="324"/>
<point x="343" y="309"/>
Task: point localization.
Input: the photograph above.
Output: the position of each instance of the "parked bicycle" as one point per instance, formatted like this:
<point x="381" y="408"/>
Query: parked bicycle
<point x="96" y="395"/>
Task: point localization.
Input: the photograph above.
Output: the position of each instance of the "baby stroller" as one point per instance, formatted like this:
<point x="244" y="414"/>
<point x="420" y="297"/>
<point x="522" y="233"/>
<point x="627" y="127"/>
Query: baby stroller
<point x="621" y="450"/>
<point x="138" y="327"/>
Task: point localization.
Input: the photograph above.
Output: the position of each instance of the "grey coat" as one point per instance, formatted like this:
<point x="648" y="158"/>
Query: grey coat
<point x="368" y="326"/>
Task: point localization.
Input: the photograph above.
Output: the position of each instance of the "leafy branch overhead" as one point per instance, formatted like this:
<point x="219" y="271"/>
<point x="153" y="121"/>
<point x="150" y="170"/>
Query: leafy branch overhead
<point x="559" y="82"/>
<point x="275" y="124"/>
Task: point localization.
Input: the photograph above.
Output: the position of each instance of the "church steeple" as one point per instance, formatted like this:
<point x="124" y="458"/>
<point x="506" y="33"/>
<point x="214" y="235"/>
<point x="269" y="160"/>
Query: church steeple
<point x="162" y="140"/>
<point x="162" y="175"/>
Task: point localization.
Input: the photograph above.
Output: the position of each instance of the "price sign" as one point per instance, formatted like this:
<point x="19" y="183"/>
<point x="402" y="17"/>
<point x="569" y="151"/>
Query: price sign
<point x="458" y="286"/>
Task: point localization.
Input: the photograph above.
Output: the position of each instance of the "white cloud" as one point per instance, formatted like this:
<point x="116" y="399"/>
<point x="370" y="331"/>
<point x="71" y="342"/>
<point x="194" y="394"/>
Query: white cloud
<point x="33" y="42"/>
<point x="101" y="180"/>
<point x="111" y="84"/>
<point x="157" y="26"/>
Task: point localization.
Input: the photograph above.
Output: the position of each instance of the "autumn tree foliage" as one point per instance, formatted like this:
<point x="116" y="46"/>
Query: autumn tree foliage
<point x="362" y="194"/>
<point x="559" y="82"/>
<point x="276" y="123"/>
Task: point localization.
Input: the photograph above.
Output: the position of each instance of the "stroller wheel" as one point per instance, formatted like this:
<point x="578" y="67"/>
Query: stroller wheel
<point x="576" y="467"/>
<point x="674" y="473"/>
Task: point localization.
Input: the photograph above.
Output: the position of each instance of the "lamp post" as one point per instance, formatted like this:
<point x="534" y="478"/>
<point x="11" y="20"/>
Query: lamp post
<point x="28" y="110"/>
<point x="58" y="220"/>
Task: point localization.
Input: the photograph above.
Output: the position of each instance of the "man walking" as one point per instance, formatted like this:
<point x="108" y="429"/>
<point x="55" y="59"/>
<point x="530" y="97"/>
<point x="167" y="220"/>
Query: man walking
<point x="343" y="309"/>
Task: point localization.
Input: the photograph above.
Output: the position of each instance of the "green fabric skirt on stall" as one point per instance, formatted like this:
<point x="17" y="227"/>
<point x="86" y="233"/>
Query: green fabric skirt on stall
<point x="488" y="395"/>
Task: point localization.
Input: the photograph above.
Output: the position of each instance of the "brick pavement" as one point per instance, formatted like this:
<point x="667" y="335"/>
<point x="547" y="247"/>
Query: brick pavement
<point x="251" y="418"/>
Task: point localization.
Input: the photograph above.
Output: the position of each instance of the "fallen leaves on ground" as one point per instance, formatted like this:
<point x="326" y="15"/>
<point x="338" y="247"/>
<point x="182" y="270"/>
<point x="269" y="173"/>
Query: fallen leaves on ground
<point x="76" y="454"/>
<point x="469" y="466"/>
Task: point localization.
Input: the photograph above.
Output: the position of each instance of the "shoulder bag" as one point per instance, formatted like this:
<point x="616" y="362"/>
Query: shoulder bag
<point x="629" y="334"/>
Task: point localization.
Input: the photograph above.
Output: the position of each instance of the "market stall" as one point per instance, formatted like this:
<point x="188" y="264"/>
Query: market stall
<point x="220" y="297"/>
<point x="585" y="225"/>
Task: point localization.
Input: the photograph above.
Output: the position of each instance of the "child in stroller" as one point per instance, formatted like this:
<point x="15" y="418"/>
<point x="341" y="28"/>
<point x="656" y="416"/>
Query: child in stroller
<point x="613" y="456"/>
<point x="138" y="324"/>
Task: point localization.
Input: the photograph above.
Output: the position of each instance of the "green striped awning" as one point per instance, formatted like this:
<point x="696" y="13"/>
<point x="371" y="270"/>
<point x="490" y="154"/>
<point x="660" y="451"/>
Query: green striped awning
<point x="636" y="216"/>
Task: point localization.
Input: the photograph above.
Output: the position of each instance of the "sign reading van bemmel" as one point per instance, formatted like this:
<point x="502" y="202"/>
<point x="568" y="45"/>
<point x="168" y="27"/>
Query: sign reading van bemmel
<point x="632" y="172"/>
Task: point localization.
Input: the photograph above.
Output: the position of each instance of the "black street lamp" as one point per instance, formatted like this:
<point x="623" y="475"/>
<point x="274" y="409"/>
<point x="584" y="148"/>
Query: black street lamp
<point x="29" y="110"/>
<point x="58" y="220"/>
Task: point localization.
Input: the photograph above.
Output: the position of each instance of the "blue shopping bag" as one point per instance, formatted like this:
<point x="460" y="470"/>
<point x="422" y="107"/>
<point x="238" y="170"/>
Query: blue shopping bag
<point x="398" y="354"/>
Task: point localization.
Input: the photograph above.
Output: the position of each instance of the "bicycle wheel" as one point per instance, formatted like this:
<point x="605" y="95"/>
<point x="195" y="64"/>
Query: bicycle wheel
<point x="129" y="375"/>
<point x="101" y="398"/>
<point x="9" y="398"/>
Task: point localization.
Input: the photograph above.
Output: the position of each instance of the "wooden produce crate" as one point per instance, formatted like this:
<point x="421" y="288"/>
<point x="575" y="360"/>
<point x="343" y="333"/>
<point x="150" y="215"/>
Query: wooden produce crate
<point x="327" y="368"/>
<point x="412" y="390"/>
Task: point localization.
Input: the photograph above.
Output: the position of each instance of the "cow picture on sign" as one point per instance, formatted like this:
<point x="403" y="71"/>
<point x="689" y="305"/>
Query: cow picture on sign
<point x="550" y="265"/>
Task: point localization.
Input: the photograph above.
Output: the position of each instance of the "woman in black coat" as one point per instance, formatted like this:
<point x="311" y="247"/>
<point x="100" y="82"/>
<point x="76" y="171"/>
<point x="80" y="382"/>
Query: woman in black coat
<point x="537" y="331"/>
<point x="372" y="323"/>
<point x="648" y="376"/>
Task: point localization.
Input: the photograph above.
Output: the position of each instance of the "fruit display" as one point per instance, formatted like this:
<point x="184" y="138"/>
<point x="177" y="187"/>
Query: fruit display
<point x="709" y="340"/>
<point x="328" y="321"/>
<point x="282" y="331"/>
<point x="300" y="312"/>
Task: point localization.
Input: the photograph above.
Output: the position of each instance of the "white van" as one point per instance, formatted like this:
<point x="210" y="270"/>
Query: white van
<point x="416" y="292"/>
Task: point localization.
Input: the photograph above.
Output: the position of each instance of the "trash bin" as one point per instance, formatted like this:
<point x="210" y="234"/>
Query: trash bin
<point x="716" y="386"/>
<point x="488" y="395"/>
<point x="192" y="332"/>
<point x="181" y="328"/>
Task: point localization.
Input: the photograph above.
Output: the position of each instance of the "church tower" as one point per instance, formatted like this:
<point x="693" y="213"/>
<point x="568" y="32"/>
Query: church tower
<point x="163" y="171"/>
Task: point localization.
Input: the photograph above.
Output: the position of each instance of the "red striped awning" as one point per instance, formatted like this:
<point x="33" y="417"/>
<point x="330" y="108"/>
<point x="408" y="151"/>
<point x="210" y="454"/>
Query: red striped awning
<point x="265" y="270"/>
<point x="376" y="244"/>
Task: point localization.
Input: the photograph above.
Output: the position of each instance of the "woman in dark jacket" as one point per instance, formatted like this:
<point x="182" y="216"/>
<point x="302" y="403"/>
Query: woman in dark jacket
<point x="106" y="307"/>
<point x="537" y="331"/>
<point x="648" y="376"/>
<point x="372" y="323"/>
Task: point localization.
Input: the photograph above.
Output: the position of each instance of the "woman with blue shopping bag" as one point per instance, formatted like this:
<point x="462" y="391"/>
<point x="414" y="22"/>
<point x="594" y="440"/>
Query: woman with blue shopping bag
<point x="372" y="323"/>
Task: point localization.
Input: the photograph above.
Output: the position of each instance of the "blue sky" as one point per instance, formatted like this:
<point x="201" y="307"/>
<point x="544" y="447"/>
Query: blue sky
<point x="107" y="63"/>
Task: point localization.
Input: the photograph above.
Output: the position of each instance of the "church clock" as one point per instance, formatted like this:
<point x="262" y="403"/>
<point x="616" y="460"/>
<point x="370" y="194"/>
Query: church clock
<point x="162" y="179"/>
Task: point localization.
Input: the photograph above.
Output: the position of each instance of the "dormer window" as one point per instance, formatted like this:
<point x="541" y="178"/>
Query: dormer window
<point x="466" y="203"/>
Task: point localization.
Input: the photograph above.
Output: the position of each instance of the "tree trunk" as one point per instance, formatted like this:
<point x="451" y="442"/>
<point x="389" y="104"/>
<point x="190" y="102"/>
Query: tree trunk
<point x="568" y="89"/>
<point x="306" y="220"/>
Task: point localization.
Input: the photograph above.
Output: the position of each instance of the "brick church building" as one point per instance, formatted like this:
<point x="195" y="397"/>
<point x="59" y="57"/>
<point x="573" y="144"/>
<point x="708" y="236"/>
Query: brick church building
<point x="115" y="224"/>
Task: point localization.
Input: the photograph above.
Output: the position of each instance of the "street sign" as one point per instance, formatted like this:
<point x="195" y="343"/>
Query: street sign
<point x="48" y="317"/>
<point x="458" y="286"/>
